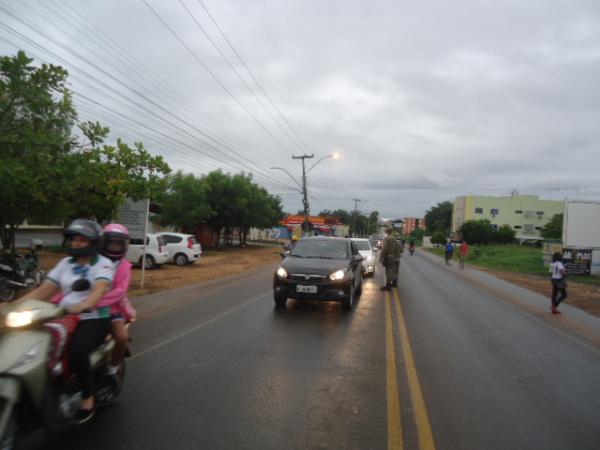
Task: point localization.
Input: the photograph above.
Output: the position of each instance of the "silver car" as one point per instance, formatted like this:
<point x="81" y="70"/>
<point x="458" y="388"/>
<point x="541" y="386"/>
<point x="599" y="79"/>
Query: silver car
<point x="366" y="251"/>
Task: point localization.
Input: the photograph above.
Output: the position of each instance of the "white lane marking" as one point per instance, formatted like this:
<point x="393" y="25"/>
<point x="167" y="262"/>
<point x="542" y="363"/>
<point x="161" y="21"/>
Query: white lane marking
<point x="197" y="327"/>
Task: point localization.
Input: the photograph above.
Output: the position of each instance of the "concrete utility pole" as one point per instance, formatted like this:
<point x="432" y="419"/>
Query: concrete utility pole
<point x="304" y="191"/>
<point x="356" y="202"/>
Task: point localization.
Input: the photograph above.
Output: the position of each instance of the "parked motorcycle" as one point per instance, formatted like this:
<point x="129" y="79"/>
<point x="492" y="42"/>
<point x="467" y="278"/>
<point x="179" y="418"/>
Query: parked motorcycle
<point x="18" y="273"/>
<point x="36" y="391"/>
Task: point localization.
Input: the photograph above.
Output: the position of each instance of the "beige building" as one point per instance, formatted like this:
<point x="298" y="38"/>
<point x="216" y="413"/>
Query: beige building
<point x="526" y="214"/>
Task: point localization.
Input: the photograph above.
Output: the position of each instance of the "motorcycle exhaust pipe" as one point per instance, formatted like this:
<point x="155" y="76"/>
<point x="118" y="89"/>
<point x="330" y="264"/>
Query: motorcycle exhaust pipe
<point x="17" y="284"/>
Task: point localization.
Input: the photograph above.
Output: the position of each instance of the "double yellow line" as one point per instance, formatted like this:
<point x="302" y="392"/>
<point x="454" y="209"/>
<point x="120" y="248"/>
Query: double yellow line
<point x="395" y="435"/>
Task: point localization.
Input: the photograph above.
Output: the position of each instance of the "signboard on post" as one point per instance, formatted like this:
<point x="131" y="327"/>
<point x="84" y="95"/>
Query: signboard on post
<point x="134" y="215"/>
<point x="577" y="261"/>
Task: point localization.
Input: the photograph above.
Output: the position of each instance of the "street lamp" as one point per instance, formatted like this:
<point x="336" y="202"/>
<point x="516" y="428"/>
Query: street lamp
<point x="303" y="185"/>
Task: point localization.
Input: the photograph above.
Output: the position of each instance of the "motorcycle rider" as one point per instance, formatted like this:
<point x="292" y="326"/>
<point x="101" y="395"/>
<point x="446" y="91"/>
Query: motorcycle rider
<point x="411" y="246"/>
<point x="115" y="241"/>
<point x="84" y="277"/>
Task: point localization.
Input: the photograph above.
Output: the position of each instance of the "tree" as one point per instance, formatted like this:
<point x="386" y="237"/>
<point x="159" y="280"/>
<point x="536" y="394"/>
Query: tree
<point x="47" y="174"/>
<point x="438" y="238"/>
<point x="36" y="116"/>
<point x="417" y="235"/>
<point x="553" y="229"/>
<point x="477" y="231"/>
<point x="504" y="235"/>
<point x="184" y="204"/>
<point x="439" y="217"/>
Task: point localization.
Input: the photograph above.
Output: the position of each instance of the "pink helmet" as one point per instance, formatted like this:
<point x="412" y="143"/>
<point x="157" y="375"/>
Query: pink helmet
<point x="114" y="233"/>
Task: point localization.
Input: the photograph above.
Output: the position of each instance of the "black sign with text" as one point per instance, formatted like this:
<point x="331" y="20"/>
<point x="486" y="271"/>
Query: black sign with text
<point x="577" y="261"/>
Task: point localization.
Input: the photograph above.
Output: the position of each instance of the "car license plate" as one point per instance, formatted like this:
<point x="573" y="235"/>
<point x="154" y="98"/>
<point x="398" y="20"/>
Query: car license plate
<point x="306" y="289"/>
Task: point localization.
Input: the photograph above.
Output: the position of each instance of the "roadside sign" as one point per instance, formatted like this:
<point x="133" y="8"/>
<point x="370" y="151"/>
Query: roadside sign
<point x="577" y="261"/>
<point x="134" y="215"/>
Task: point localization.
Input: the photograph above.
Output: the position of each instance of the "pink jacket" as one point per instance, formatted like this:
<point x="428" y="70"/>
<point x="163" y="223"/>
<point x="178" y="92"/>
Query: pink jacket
<point x="116" y="298"/>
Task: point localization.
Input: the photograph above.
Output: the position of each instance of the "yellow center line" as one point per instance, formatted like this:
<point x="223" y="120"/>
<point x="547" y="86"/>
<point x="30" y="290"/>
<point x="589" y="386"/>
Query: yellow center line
<point x="426" y="441"/>
<point x="395" y="441"/>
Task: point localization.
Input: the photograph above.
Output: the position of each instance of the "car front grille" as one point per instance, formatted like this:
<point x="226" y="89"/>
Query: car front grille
<point x="306" y="278"/>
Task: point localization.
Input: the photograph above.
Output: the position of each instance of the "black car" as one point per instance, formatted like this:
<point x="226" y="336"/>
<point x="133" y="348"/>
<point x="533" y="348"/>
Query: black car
<point x="320" y="268"/>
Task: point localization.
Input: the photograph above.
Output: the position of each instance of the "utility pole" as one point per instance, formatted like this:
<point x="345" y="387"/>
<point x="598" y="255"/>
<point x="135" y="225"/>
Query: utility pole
<point x="356" y="202"/>
<point x="304" y="191"/>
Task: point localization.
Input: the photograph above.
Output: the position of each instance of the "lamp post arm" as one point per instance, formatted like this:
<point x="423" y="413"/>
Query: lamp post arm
<point x="313" y="166"/>
<point x="290" y="175"/>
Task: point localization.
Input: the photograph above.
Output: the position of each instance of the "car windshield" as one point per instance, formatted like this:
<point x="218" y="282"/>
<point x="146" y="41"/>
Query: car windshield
<point x="321" y="248"/>
<point x="362" y="245"/>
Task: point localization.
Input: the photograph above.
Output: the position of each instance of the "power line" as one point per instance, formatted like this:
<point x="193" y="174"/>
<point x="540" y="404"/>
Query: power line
<point x="124" y="85"/>
<point x="225" y="88"/>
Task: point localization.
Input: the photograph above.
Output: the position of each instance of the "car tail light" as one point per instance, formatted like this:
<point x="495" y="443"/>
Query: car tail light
<point x="190" y="243"/>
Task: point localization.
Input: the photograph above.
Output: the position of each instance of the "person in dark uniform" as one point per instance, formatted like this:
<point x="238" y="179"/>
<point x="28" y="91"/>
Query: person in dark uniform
<point x="390" y="258"/>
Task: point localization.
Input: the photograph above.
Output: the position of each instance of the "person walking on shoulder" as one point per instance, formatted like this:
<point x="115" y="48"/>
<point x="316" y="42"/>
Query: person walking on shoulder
<point x="449" y="251"/>
<point x="390" y="258"/>
<point x="464" y="251"/>
<point x="559" y="284"/>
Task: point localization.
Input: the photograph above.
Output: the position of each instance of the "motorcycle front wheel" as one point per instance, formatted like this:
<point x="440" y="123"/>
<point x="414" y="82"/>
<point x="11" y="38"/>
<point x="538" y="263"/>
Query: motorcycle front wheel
<point x="7" y="293"/>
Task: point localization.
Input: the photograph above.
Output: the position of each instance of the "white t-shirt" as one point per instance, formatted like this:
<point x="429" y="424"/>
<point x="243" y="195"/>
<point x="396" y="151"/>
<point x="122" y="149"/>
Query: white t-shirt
<point x="556" y="269"/>
<point x="67" y="271"/>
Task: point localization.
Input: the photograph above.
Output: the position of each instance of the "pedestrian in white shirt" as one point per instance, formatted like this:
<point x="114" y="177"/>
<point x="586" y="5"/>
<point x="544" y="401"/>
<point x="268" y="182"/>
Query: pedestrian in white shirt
<point x="559" y="284"/>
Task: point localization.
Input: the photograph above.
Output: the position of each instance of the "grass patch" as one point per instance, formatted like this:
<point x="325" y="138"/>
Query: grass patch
<point x="511" y="258"/>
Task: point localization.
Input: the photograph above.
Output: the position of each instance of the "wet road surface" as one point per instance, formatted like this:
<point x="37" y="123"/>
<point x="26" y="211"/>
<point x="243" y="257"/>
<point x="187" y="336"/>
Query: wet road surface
<point x="449" y="360"/>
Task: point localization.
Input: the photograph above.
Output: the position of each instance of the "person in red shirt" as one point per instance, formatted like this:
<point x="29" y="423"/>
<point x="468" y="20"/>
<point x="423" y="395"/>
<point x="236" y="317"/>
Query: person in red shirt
<point x="464" y="251"/>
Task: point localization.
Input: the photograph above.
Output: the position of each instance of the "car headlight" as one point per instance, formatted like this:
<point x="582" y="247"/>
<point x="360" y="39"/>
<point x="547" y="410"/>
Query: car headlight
<point x="16" y="319"/>
<point x="337" y="275"/>
<point x="281" y="273"/>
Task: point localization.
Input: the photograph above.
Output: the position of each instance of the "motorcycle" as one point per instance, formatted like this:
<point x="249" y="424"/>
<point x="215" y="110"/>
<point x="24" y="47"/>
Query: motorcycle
<point x="19" y="273"/>
<point x="36" y="389"/>
<point x="411" y="249"/>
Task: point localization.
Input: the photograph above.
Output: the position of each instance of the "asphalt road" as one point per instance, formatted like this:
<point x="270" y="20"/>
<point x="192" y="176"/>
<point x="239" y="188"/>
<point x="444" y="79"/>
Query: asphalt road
<point x="450" y="360"/>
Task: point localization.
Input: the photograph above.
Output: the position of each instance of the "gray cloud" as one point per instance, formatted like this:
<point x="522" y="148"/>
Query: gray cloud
<point x="424" y="100"/>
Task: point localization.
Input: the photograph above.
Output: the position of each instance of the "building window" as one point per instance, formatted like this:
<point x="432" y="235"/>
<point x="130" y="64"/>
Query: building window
<point x="478" y="210"/>
<point x="540" y="213"/>
<point x="519" y="211"/>
<point x="494" y="211"/>
<point x="539" y="228"/>
<point x="517" y="227"/>
<point x="528" y="229"/>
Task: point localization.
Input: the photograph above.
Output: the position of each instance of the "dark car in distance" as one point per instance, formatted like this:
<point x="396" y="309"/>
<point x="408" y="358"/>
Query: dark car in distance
<point x="320" y="268"/>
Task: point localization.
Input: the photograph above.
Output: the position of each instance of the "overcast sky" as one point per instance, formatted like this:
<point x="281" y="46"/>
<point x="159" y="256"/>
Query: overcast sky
<point x="424" y="100"/>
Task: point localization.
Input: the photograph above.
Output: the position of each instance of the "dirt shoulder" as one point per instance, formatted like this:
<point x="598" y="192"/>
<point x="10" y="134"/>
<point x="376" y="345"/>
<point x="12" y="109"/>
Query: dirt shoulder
<point x="213" y="264"/>
<point x="581" y="295"/>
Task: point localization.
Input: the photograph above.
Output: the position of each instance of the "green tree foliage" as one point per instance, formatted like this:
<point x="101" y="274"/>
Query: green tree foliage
<point x="553" y="229"/>
<point x="477" y="231"/>
<point x="184" y="203"/>
<point x="47" y="175"/>
<point x="36" y="115"/>
<point x="230" y="202"/>
<point x="481" y="232"/>
<point x="505" y="234"/>
<point x="438" y="238"/>
<point x="439" y="217"/>
<point x="417" y="235"/>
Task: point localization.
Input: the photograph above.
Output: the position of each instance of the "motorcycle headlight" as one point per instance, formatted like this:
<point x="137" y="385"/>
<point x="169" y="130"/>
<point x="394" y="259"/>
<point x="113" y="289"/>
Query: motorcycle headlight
<point x="337" y="275"/>
<point x="281" y="273"/>
<point x="16" y="319"/>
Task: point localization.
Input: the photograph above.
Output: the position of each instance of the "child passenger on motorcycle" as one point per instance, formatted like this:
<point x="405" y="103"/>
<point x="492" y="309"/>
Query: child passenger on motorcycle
<point x="84" y="278"/>
<point x="115" y="240"/>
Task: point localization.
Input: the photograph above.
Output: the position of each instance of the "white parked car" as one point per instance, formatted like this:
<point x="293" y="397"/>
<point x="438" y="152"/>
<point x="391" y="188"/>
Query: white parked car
<point x="157" y="252"/>
<point x="183" y="248"/>
<point x="366" y="251"/>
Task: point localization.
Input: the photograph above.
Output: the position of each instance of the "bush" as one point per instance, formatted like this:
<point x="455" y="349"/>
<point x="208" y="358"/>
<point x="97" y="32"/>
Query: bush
<point x="438" y="238"/>
<point x="504" y="235"/>
<point x="477" y="231"/>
